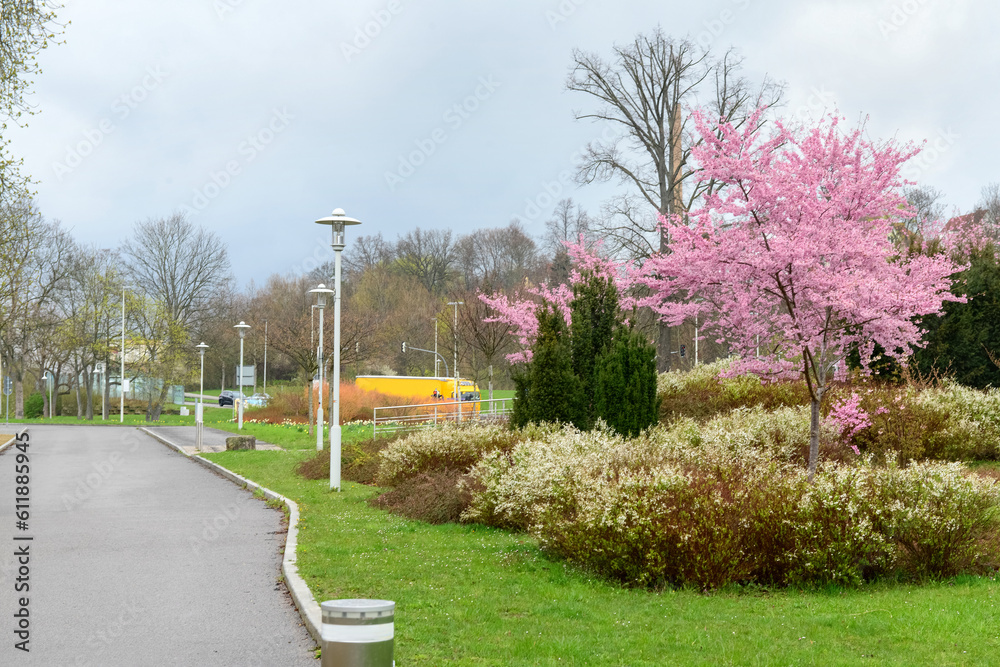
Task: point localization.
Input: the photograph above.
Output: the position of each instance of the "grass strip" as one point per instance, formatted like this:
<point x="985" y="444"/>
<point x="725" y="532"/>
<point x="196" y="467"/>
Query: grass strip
<point x="470" y="595"/>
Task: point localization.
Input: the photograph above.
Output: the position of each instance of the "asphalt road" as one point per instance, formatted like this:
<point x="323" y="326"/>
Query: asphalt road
<point x="140" y="557"/>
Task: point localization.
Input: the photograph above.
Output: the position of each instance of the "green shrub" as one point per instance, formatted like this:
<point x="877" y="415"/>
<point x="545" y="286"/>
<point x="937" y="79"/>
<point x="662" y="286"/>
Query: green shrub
<point x="702" y="394"/>
<point x="548" y="390"/>
<point x="33" y="406"/>
<point x="625" y="384"/>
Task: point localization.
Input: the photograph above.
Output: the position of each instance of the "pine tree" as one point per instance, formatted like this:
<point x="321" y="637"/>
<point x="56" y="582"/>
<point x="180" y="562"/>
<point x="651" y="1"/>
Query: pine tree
<point x="548" y="390"/>
<point x="625" y="390"/>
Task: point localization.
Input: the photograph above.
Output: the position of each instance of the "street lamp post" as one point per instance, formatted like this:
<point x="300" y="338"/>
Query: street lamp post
<point x="242" y="327"/>
<point x="338" y="221"/>
<point x="199" y="412"/>
<point x="320" y="293"/>
<point x="458" y="392"/>
<point x="436" y="347"/>
<point x="121" y="385"/>
<point x="48" y="372"/>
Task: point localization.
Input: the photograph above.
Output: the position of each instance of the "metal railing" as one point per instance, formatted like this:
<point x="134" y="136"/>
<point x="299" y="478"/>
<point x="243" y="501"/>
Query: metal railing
<point x="395" y="418"/>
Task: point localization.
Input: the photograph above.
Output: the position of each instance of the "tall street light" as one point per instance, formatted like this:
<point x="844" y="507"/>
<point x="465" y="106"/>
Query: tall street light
<point x="320" y="293"/>
<point x="242" y="327"/>
<point x="199" y="413"/>
<point x="48" y="372"/>
<point x="458" y="392"/>
<point x="338" y="221"/>
<point x="121" y="386"/>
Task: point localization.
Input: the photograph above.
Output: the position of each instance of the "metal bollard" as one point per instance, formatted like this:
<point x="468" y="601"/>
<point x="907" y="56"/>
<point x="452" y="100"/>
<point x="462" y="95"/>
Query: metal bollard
<point x="358" y="633"/>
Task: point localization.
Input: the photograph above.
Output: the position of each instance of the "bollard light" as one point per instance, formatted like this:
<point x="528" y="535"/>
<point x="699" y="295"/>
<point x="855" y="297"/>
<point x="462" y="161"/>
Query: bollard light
<point x="358" y="633"/>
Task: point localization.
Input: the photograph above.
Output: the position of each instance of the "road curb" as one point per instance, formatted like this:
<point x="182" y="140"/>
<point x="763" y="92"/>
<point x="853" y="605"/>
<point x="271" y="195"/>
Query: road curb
<point x="10" y="442"/>
<point x="306" y="604"/>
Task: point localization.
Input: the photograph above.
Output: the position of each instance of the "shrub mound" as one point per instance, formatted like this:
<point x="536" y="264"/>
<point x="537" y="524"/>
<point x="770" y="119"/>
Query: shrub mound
<point x="667" y="509"/>
<point x="689" y="506"/>
<point x="701" y="394"/>
<point x="359" y="461"/>
<point x="428" y="469"/>
<point x="434" y="497"/>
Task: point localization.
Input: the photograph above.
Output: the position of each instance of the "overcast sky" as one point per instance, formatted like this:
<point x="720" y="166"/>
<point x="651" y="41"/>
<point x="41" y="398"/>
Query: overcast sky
<point x="258" y="116"/>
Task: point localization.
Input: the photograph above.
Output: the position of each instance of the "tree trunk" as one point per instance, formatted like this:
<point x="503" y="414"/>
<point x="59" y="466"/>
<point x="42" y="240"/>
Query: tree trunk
<point x="18" y="397"/>
<point x="79" y="399"/>
<point x="154" y="410"/>
<point x="663" y="345"/>
<point x="814" y="437"/>
<point x="88" y="377"/>
<point x="106" y="396"/>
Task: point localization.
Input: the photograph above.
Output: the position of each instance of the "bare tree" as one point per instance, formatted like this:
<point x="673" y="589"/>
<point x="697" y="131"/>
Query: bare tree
<point x="177" y="266"/>
<point x="927" y="208"/>
<point x="365" y="253"/>
<point x="642" y="91"/>
<point x="427" y="256"/>
<point x="989" y="203"/>
<point x="496" y="258"/>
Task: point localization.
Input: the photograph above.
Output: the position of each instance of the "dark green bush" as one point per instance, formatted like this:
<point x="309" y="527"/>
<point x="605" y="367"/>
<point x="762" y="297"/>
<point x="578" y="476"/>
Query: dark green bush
<point x="33" y="406"/>
<point x="548" y="391"/>
<point x="625" y="388"/>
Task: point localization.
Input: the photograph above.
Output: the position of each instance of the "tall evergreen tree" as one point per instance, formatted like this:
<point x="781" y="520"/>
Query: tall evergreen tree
<point x="625" y="388"/>
<point x="548" y="390"/>
<point x="595" y="314"/>
<point x="961" y="340"/>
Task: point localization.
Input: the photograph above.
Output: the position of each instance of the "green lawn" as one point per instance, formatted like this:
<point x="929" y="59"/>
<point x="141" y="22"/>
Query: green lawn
<point x="213" y="414"/>
<point x="469" y="595"/>
<point x="294" y="437"/>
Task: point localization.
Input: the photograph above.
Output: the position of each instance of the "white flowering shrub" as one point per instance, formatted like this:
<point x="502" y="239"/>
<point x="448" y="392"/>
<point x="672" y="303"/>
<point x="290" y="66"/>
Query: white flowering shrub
<point x="703" y="393"/>
<point x="711" y="506"/>
<point x="449" y="447"/>
<point x="973" y="426"/>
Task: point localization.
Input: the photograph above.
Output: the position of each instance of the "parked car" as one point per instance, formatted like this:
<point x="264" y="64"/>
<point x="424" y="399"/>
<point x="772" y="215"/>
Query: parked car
<point x="228" y="397"/>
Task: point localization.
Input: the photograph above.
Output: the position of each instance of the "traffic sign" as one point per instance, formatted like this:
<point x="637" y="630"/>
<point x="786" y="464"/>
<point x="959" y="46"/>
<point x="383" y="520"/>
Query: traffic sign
<point x="8" y="386"/>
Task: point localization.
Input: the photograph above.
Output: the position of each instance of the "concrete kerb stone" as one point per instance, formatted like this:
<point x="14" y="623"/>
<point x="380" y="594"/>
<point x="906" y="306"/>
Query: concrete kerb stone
<point x="306" y="604"/>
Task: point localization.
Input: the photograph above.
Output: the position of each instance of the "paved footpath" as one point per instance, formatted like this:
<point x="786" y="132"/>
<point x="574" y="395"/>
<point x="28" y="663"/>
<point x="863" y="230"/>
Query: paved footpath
<point x="141" y="557"/>
<point x="213" y="439"/>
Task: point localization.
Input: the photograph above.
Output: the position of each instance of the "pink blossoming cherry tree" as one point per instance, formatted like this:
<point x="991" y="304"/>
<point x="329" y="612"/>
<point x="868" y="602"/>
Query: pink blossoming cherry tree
<point x="792" y="259"/>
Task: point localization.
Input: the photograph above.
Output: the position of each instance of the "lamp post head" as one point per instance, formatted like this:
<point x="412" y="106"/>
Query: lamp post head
<point x="321" y="293"/>
<point x="242" y="326"/>
<point x="201" y="348"/>
<point x="338" y="220"/>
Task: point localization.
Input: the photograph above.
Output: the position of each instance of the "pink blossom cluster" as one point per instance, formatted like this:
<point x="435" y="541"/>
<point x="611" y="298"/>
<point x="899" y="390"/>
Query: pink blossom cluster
<point x="792" y="257"/>
<point x="849" y="418"/>
<point x="519" y="310"/>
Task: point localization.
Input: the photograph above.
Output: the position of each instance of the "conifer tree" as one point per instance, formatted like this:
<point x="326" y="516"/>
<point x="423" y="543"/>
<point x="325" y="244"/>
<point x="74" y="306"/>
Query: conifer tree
<point x="625" y="388"/>
<point x="595" y="314"/>
<point x="548" y="390"/>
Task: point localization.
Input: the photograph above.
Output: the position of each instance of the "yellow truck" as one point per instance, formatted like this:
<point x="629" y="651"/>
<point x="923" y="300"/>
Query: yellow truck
<point x="428" y="389"/>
